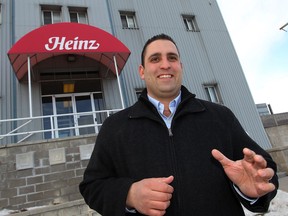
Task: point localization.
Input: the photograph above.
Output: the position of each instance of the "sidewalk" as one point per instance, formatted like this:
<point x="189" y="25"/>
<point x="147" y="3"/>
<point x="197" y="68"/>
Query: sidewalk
<point x="283" y="183"/>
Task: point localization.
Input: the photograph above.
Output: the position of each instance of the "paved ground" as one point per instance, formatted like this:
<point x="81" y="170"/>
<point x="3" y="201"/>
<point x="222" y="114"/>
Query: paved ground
<point x="283" y="183"/>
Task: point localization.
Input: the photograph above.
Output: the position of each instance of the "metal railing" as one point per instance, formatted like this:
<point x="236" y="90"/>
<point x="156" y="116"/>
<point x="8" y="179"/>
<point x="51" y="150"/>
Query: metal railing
<point x="51" y="126"/>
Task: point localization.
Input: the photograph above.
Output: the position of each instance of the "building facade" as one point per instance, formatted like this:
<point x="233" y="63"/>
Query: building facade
<point x="264" y="109"/>
<point x="66" y="65"/>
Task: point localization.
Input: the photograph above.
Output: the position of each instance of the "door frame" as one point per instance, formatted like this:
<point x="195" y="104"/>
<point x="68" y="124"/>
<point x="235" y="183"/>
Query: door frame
<point x="75" y="113"/>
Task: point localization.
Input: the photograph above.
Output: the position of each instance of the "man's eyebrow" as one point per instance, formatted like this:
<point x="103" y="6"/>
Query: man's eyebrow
<point x="159" y="54"/>
<point x="173" y="53"/>
<point x="154" y="55"/>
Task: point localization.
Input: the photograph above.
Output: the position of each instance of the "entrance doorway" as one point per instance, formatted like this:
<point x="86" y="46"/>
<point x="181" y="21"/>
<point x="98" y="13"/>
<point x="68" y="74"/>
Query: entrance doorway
<point x="73" y="114"/>
<point x="71" y="106"/>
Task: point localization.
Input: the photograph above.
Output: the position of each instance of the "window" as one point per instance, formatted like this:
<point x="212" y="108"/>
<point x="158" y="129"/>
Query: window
<point x="264" y="109"/>
<point x="78" y="15"/>
<point x="213" y="94"/>
<point x="128" y="20"/>
<point x="190" y="23"/>
<point x="51" y="14"/>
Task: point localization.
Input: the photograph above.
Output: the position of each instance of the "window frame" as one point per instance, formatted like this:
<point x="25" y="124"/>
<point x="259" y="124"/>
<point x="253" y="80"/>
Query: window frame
<point x="126" y="17"/>
<point x="78" y="11"/>
<point x="52" y="9"/>
<point x="190" y="23"/>
<point x="213" y="93"/>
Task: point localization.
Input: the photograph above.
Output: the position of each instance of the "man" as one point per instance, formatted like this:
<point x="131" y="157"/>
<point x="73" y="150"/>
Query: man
<point x="165" y="154"/>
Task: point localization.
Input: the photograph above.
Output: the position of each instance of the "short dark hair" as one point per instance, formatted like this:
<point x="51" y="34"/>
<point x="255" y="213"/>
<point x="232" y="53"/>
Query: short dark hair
<point x="154" y="38"/>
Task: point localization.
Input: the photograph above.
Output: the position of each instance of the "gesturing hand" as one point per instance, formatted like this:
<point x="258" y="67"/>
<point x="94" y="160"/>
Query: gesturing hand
<point x="151" y="196"/>
<point x="250" y="174"/>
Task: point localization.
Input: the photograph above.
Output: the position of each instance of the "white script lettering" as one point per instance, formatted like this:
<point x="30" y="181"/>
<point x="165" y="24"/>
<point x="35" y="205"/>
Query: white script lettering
<point x="76" y="44"/>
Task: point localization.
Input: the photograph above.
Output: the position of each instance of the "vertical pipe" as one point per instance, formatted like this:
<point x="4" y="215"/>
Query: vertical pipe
<point x="110" y="17"/>
<point x="29" y="87"/>
<point x="13" y="77"/>
<point x="14" y="95"/>
<point x="114" y="34"/>
<point x="118" y="80"/>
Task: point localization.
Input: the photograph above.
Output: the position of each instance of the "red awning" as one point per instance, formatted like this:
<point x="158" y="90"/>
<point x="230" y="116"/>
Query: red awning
<point x="67" y="38"/>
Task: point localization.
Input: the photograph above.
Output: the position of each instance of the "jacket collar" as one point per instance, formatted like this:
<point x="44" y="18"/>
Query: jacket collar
<point x="144" y="108"/>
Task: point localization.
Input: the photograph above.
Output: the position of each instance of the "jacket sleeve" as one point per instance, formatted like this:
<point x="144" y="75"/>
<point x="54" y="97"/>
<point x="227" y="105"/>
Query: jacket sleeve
<point x="101" y="188"/>
<point x="242" y="139"/>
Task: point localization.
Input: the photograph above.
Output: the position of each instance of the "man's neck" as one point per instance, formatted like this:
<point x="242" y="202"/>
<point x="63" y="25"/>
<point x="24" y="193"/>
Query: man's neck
<point x="165" y="101"/>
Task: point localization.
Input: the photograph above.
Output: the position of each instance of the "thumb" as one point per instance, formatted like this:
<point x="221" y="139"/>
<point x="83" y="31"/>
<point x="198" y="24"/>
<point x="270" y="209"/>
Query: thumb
<point x="220" y="157"/>
<point x="168" y="180"/>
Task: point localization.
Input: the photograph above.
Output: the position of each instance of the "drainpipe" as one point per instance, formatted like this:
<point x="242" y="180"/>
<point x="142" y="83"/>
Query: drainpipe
<point x="13" y="77"/>
<point x="124" y="96"/>
<point x="13" y="101"/>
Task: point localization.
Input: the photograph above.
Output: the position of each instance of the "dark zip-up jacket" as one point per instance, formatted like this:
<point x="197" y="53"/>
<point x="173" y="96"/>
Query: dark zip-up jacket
<point x="135" y="143"/>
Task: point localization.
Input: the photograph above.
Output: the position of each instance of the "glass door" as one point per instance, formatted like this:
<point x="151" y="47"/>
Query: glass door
<point x="83" y="104"/>
<point x="73" y="114"/>
<point x="64" y="124"/>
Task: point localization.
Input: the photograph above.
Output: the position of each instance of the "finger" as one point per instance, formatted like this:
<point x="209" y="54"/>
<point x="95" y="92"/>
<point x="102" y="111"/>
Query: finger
<point x="155" y="212"/>
<point x="163" y="184"/>
<point x="160" y="186"/>
<point x="248" y="155"/>
<point x="266" y="174"/>
<point x="257" y="160"/>
<point x="260" y="162"/>
<point x="168" y="180"/>
<point x="159" y="205"/>
<point x="156" y="208"/>
<point x="160" y="196"/>
<point x="221" y="157"/>
<point x="265" y="188"/>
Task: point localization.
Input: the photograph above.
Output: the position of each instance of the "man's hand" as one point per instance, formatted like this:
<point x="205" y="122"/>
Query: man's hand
<point x="151" y="196"/>
<point x="250" y="174"/>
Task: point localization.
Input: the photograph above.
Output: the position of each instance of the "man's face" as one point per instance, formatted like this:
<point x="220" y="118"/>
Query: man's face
<point x="162" y="71"/>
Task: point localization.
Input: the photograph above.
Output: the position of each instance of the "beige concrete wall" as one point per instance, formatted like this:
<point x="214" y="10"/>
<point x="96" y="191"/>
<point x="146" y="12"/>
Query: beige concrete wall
<point x="276" y="127"/>
<point x="280" y="156"/>
<point x="278" y="135"/>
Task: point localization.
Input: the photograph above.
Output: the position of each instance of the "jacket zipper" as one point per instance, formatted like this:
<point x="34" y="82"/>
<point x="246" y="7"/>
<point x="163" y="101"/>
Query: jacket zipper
<point x="170" y="132"/>
<point x="176" y="173"/>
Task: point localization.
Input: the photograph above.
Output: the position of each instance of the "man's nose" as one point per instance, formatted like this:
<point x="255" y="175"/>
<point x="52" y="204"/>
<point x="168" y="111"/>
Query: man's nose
<point x="165" y="63"/>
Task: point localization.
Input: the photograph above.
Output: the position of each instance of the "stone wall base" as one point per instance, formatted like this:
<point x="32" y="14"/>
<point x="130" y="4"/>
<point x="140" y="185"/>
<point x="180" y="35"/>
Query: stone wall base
<point x="73" y="208"/>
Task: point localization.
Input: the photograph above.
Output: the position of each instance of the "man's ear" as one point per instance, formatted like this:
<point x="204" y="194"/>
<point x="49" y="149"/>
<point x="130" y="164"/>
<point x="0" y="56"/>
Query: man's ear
<point x="141" y="72"/>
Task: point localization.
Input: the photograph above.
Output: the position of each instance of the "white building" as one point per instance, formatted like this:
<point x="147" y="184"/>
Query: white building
<point x="264" y="109"/>
<point x="59" y="78"/>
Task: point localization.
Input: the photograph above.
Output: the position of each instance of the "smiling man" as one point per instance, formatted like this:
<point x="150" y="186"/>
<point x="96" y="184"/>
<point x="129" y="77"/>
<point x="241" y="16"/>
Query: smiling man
<point x="162" y="71"/>
<point x="173" y="154"/>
